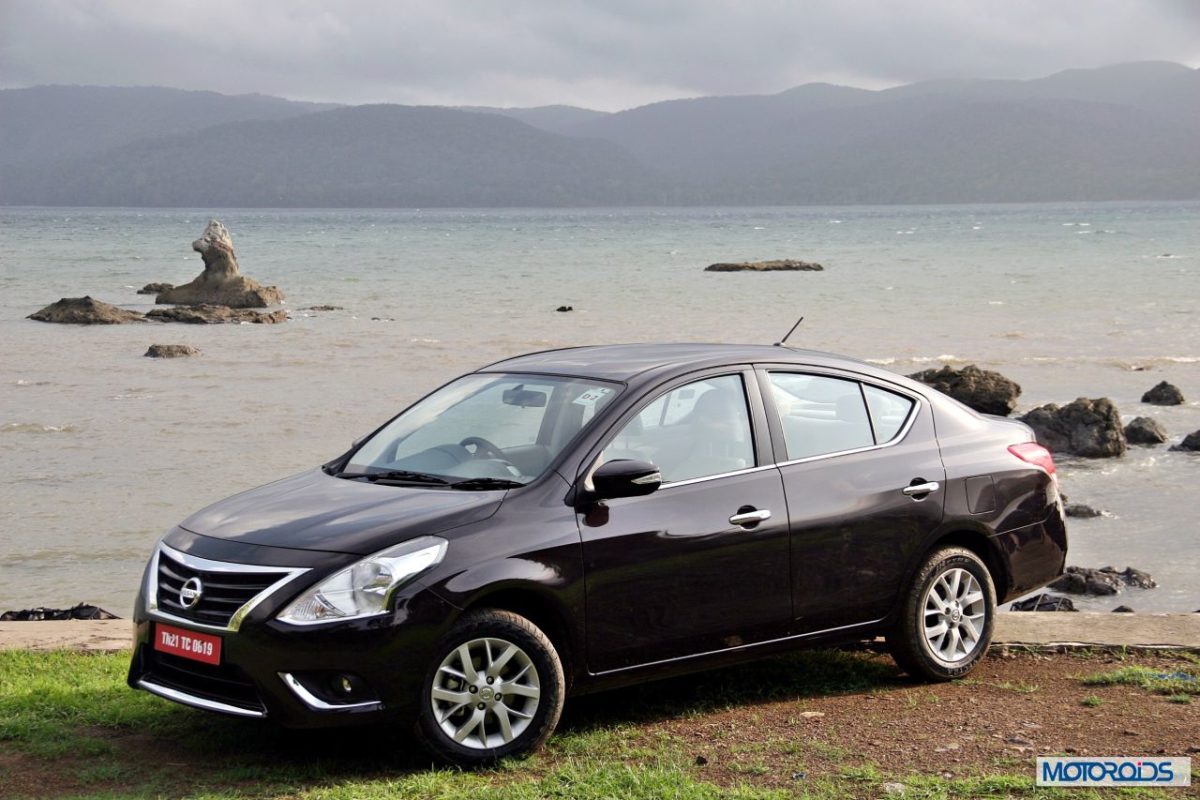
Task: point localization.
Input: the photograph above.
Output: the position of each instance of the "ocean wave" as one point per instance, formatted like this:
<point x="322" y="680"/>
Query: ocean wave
<point x="946" y="358"/>
<point x="23" y="382"/>
<point x="35" y="427"/>
<point x="883" y="362"/>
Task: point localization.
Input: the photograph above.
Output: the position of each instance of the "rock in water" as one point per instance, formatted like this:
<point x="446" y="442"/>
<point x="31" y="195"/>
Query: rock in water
<point x="1044" y="602"/>
<point x="1143" y="430"/>
<point x="1123" y="610"/>
<point x="784" y="265"/>
<point x="1190" y="442"/>
<point x="212" y="315"/>
<point x="1084" y="427"/>
<point x="171" y="351"/>
<point x="221" y="283"/>
<point x="983" y="390"/>
<point x="1082" y="511"/>
<point x="1103" y="581"/>
<point x="81" y="611"/>
<point x="1164" y="394"/>
<point x="155" y="288"/>
<point x="85" y="311"/>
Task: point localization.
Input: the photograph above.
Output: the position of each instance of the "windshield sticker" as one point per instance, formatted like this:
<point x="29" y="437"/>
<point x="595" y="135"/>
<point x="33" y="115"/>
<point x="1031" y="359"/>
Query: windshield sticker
<point x="592" y="396"/>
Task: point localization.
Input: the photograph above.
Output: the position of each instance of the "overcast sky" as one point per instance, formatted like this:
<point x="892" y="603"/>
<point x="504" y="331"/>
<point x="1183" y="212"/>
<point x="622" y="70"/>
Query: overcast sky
<point x="606" y="54"/>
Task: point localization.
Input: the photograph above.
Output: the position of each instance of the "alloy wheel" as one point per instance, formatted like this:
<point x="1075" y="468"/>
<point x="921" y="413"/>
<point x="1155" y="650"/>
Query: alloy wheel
<point x="485" y="693"/>
<point x="954" y="615"/>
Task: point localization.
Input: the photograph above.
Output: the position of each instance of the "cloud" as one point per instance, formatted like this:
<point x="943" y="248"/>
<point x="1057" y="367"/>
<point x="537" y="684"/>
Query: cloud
<point x="604" y="54"/>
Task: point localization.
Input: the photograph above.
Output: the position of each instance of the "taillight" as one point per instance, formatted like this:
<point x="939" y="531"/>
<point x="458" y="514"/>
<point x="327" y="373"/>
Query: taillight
<point x="1034" y="453"/>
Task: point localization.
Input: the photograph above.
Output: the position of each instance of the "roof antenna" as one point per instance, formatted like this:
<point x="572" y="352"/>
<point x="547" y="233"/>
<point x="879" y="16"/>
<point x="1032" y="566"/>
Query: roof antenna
<point x="781" y="342"/>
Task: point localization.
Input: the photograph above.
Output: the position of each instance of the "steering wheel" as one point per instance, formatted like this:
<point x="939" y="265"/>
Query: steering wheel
<point x="484" y="448"/>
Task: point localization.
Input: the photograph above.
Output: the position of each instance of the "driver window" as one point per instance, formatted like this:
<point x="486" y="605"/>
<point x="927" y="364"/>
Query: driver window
<point x="694" y="431"/>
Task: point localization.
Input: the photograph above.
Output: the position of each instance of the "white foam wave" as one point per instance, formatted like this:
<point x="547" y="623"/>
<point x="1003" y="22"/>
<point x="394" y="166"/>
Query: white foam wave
<point x="944" y="357"/>
<point x="35" y="427"/>
<point x="883" y="362"/>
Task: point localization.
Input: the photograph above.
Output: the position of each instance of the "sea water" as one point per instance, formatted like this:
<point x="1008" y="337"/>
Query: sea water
<point x="103" y="450"/>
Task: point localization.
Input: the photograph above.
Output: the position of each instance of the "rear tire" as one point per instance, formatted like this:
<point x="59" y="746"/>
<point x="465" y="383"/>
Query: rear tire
<point x="494" y="689"/>
<point x="946" y="616"/>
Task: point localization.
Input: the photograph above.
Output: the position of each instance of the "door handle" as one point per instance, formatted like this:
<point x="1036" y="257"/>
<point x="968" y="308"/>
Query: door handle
<point x="921" y="488"/>
<point x="750" y="517"/>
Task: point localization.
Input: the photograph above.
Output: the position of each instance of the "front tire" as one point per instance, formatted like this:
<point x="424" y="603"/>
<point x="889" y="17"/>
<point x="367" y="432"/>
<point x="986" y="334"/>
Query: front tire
<point x="495" y="689"/>
<point x="946" y="616"/>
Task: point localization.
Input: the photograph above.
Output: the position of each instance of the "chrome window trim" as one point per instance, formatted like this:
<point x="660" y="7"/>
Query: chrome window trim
<point x="197" y="702"/>
<point x="288" y="574"/>
<point x="703" y="478"/>
<point x="918" y="403"/>
<point x="317" y="704"/>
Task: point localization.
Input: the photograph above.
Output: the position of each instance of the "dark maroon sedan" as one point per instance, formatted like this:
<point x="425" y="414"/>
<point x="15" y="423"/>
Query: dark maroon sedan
<point x="572" y="520"/>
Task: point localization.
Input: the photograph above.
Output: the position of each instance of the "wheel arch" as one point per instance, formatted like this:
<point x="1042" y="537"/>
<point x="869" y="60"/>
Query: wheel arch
<point x="544" y="611"/>
<point x="981" y="545"/>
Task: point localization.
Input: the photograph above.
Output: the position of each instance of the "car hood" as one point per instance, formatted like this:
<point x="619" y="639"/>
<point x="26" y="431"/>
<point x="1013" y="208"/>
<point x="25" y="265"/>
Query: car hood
<point x="316" y="511"/>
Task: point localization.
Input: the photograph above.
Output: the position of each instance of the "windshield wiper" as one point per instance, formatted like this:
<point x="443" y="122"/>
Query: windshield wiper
<point x="395" y="476"/>
<point x="486" y="483"/>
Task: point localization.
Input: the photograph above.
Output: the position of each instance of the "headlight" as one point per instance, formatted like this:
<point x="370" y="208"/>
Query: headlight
<point x="364" y="588"/>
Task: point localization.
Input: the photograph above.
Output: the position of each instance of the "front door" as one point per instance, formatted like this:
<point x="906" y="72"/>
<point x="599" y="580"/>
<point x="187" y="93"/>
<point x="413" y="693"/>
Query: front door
<point x="702" y="564"/>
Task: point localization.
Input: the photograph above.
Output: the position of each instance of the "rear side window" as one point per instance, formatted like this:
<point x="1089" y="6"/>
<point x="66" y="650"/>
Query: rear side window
<point x="820" y="415"/>
<point x="889" y="411"/>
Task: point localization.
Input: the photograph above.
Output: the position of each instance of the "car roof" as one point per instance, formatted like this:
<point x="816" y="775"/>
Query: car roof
<point x="622" y="362"/>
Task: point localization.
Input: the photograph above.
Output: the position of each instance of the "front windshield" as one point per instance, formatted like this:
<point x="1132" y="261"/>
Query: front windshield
<point x="485" y="426"/>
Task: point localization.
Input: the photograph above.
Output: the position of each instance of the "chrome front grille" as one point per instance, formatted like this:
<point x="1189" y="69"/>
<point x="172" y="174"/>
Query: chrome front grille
<point x="226" y="591"/>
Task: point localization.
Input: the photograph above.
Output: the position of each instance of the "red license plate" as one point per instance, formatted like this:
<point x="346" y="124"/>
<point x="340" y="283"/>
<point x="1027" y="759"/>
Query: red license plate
<point x="187" y="644"/>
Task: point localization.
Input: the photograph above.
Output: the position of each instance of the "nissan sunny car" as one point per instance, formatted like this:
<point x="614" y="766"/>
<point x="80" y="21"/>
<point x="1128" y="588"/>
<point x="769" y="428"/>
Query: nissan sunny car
<point x="574" y="520"/>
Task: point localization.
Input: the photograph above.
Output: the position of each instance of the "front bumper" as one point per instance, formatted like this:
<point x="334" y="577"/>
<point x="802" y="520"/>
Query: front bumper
<point x="269" y="669"/>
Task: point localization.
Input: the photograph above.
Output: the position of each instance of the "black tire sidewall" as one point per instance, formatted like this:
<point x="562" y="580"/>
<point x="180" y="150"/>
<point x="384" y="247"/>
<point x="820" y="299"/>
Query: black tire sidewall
<point x="524" y="634"/>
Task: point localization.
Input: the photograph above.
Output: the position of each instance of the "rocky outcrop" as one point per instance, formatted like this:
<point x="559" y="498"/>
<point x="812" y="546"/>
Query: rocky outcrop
<point x="221" y="283"/>
<point x="171" y="351"/>
<point x="1103" y="581"/>
<point x="1164" y="394"/>
<point x="1085" y="427"/>
<point x="1044" y="602"/>
<point x="983" y="390"/>
<point x="81" y="611"/>
<point x="1191" y="442"/>
<point x="1143" y="430"/>
<point x="784" y="265"/>
<point x="85" y="311"/>
<point x="1081" y="511"/>
<point x="155" y="288"/>
<point x="213" y="315"/>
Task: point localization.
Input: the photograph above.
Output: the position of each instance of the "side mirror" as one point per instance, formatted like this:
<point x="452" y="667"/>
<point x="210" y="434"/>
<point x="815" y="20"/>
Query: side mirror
<point x="624" y="477"/>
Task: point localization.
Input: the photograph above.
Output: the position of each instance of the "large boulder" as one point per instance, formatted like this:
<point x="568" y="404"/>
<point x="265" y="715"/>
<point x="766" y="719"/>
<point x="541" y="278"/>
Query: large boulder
<point x="221" y="283"/>
<point x="1084" y="427"/>
<point x="212" y="315"/>
<point x="85" y="311"/>
<point x="782" y="265"/>
<point x="983" y="390"/>
<point x="1143" y="430"/>
<point x="155" y="288"/>
<point x="1163" y="394"/>
<point x="1191" y="442"/>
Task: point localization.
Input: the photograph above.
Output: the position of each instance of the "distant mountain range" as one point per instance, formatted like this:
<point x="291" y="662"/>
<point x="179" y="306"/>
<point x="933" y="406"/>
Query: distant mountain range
<point x="1126" y="132"/>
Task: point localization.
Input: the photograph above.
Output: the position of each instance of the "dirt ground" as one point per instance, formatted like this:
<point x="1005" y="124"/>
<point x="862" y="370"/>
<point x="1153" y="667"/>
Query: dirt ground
<point x="1013" y="707"/>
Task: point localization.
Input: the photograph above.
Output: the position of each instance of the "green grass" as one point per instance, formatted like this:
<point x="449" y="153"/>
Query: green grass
<point x="70" y="715"/>
<point x="1091" y="701"/>
<point x="1175" y="681"/>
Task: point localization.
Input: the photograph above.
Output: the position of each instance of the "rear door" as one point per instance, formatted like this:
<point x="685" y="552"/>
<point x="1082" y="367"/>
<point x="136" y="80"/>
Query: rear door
<point x="864" y="483"/>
